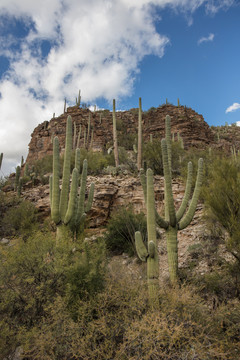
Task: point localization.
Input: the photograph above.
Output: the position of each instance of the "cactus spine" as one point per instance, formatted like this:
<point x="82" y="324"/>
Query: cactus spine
<point x="115" y="144"/>
<point x="150" y="254"/>
<point x="175" y="221"/>
<point x="65" y="206"/>
<point x="139" y="152"/>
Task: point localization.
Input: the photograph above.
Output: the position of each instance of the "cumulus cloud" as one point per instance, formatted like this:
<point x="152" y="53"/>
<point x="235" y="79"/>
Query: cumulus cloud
<point x="210" y="37"/>
<point x="94" y="45"/>
<point x="233" y="107"/>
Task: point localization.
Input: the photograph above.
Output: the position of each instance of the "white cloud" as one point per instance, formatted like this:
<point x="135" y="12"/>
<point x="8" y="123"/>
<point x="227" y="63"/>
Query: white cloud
<point x="96" y="46"/>
<point x="210" y="37"/>
<point x="233" y="107"/>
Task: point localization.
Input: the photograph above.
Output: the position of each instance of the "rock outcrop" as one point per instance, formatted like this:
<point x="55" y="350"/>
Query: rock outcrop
<point x="190" y="125"/>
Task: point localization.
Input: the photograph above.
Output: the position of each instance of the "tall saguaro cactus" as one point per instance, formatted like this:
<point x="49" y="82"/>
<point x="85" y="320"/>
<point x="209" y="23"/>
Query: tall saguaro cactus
<point x="115" y="144"/>
<point x="68" y="210"/>
<point x="139" y="153"/>
<point x="180" y="219"/>
<point x="150" y="253"/>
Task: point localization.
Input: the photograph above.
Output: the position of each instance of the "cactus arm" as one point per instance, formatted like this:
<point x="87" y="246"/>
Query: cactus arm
<point x="88" y="130"/>
<point x="17" y="177"/>
<point x="74" y="135"/>
<point x="77" y="160"/>
<point x="139" y="152"/>
<point x="192" y="207"/>
<point x="115" y="144"/>
<point x="90" y="198"/>
<point x="143" y="181"/>
<point x="55" y="196"/>
<point x="72" y="198"/>
<point x="187" y="193"/>
<point x="140" y="247"/>
<point x="50" y="189"/>
<point x="79" y="136"/>
<point x="81" y="200"/>
<point x="19" y="189"/>
<point x="168" y="184"/>
<point x="168" y="141"/>
<point x="84" y="137"/>
<point x="159" y="220"/>
<point x="66" y="170"/>
<point x="151" y="226"/>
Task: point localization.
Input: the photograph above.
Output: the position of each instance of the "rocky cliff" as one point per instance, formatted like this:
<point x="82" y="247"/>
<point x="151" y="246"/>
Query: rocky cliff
<point x="190" y="125"/>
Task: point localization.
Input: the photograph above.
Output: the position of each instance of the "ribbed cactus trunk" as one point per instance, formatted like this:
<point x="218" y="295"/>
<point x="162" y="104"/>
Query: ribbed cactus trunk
<point x="150" y="254"/>
<point x="115" y="144"/>
<point x="172" y="253"/>
<point x="66" y="170"/>
<point x="152" y="261"/>
<point x="139" y="152"/>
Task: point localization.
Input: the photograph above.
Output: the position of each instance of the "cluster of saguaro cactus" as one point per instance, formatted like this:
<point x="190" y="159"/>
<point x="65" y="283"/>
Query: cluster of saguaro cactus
<point x="174" y="220"/>
<point x="68" y="210"/>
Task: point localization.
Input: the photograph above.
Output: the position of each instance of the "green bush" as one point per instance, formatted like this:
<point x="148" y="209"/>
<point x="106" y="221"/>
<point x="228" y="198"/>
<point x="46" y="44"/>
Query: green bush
<point x="121" y="228"/>
<point x="222" y="198"/>
<point x="43" y="166"/>
<point x="20" y="219"/>
<point x="36" y="272"/>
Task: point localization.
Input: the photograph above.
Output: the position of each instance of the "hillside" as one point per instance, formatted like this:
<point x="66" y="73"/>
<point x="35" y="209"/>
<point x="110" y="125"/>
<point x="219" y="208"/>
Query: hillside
<point x="185" y="121"/>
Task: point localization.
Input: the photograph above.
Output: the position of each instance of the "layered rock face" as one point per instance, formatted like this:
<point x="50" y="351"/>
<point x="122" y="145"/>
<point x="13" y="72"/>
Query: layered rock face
<point x="190" y="125"/>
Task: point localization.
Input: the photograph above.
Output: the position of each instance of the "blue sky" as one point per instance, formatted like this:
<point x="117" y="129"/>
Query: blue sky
<point x="186" y="49"/>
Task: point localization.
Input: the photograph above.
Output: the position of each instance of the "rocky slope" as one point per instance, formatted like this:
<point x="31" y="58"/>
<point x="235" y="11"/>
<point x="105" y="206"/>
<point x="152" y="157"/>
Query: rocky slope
<point x="190" y="125"/>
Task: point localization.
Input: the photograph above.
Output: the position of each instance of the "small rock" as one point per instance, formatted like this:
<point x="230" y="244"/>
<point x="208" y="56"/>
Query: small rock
<point x="4" y="241"/>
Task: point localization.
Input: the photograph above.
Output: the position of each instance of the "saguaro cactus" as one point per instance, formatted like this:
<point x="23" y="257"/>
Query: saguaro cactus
<point x="1" y="158"/>
<point x="150" y="253"/>
<point x="139" y="153"/>
<point x="17" y="177"/>
<point x="68" y="211"/>
<point x="180" y="219"/>
<point x="115" y="144"/>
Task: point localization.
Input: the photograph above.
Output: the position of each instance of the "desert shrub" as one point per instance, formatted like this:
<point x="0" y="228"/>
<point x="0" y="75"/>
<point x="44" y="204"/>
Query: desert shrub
<point x="126" y="140"/>
<point x="35" y="272"/>
<point x="20" y="219"/>
<point x="222" y="198"/>
<point x="43" y="166"/>
<point x="152" y="154"/>
<point x="183" y="329"/>
<point x="98" y="330"/>
<point x="121" y="228"/>
<point x="118" y="324"/>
